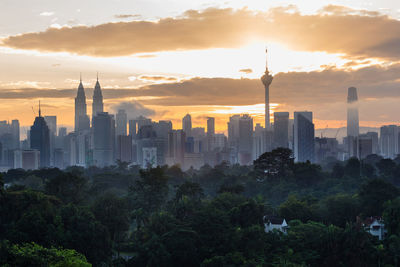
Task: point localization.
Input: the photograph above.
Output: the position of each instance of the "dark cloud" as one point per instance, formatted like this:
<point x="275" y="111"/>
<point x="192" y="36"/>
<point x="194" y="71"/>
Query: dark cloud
<point x="334" y="29"/>
<point x="133" y="109"/>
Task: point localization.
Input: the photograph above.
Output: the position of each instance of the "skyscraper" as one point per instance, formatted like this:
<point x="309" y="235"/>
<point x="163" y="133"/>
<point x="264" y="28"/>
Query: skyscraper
<point x="267" y="80"/>
<point x="103" y="139"/>
<point x="389" y="141"/>
<point x="210" y="126"/>
<point x="352" y="113"/>
<point x="15" y="134"/>
<point x="240" y="138"/>
<point x="82" y="121"/>
<point x="121" y="121"/>
<point x="97" y="105"/>
<point x="187" y="125"/>
<point x="51" y="122"/>
<point x="281" y="126"/>
<point x="40" y="139"/>
<point x="303" y="136"/>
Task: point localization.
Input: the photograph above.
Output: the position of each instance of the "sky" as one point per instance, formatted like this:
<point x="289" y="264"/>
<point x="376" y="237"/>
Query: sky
<point x="163" y="59"/>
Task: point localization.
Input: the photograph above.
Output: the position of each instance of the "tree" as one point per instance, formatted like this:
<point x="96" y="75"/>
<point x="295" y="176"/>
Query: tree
<point x="68" y="187"/>
<point x="307" y="173"/>
<point x="234" y="189"/>
<point x="340" y="209"/>
<point x="148" y="194"/>
<point x="31" y="254"/>
<point x="337" y="171"/>
<point x="276" y="163"/>
<point x="386" y="167"/>
<point x="295" y="209"/>
<point x="352" y="168"/>
<point x="374" y="194"/>
<point x="391" y="216"/>
<point x="112" y="212"/>
<point x="81" y="231"/>
<point x="191" y="190"/>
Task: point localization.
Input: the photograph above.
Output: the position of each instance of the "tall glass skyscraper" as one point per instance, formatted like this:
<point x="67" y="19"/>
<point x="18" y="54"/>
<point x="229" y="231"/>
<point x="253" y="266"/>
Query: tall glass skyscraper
<point x="303" y="136"/>
<point x="40" y="139"/>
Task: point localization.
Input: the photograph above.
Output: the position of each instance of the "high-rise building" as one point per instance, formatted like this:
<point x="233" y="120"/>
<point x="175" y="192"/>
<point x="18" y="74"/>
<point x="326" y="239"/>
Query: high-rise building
<point x="364" y="146"/>
<point x="210" y="126"/>
<point x="267" y="80"/>
<point x="82" y="121"/>
<point x="326" y="148"/>
<point x="389" y="141"/>
<point x="240" y="138"/>
<point x="187" y="125"/>
<point x="375" y="141"/>
<point x="176" y="147"/>
<point x="245" y="139"/>
<point x="124" y="148"/>
<point x="62" y="131"/>
<point x="26" y="159"/>
<point x="103" y="139"/>
<point x="281" y="126"/>
<point x="121" y="122"/>
<point x="136" y="124"/>
<point x="15" y="134"/>
<point x="40" y="139"/>
<point x="97" y="105"/>
<point x="303" y="136"/>
<point x="198" y="132"/>
<point x="352" y="113"/>
<point x="51" y="122"/>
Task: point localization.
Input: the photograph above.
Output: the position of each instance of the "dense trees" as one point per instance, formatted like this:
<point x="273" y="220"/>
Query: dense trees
<point x="208" y="217"/>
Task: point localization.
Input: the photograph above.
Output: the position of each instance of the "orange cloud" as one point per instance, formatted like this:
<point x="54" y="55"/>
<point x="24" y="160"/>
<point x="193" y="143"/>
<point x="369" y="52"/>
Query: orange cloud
<point x="334" y="29"/>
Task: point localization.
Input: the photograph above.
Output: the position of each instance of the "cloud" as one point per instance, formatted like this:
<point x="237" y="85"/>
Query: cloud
<point x="127" y="16"/>
<point x="247" y="71"/>
<point x="334" y="29"/>
<point x="133" y="109"/>
<point x="46" y="14"/>
<point x="323" y="92"/>
<point x="156" y="78"/>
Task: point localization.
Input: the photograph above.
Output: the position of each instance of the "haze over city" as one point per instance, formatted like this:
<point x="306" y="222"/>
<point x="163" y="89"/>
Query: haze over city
<point x="205" y="58"/>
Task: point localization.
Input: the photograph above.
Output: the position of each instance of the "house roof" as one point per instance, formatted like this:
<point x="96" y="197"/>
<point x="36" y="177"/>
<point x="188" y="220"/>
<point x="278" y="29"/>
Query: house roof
<point x="273" y="219"/>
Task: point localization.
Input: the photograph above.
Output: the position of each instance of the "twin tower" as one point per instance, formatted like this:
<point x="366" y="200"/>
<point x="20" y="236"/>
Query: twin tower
<point x="82" y="121"/>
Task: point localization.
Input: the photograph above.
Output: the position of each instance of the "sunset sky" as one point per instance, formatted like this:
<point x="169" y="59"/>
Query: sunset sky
<point x="166" y="58"/>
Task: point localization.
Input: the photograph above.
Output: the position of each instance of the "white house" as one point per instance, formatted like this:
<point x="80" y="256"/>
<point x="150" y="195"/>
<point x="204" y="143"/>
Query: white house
<point x="375" y="226"/>
<point x="272" y="222"/>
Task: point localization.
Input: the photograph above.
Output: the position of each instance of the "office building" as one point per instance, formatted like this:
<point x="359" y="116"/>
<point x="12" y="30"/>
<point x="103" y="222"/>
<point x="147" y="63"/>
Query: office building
<point x="303" y="136"/>
<point x="103" y="139"/>
<point x="281" y="129"/>
<point x="40" y="139"/>
<point x="121" y="123"/>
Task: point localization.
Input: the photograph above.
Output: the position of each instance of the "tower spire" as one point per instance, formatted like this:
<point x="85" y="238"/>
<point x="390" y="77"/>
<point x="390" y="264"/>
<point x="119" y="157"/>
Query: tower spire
<point x="80" y="77"/>
<point x="40" y="113"/>
<point x="267" y="80"/>
<point x="97" y="76"/>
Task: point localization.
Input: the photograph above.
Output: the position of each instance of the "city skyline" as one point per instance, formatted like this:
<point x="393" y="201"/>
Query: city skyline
<point x="216" y="76"/>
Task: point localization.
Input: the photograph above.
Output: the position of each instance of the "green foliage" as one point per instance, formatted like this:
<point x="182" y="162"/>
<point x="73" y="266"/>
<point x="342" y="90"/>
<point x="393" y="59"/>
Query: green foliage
<point x="374" y="194"/>
<point x="31" y="254"/>
<point x="293" y="208"/>
<point x="208" y="217"/>
<point x="276" y="163"/>
<point x="352" y="168"/>
<point x="68" y="187"/>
